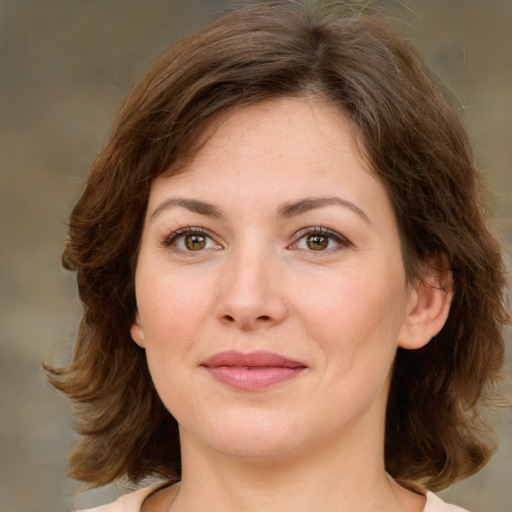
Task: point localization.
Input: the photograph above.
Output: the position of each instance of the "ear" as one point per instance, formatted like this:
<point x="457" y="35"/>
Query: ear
<point x="137" y="332"/>
<point x="428" y="308"/>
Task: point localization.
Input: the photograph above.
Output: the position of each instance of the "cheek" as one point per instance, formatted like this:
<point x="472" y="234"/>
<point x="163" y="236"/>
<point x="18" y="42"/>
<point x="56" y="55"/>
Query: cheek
<point x="170" y="310"/>
<point x="355" y="319"/>
<point x="354" y="301"/>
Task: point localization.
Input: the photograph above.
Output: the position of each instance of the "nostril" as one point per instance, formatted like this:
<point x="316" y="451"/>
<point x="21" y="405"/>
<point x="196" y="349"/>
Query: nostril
<point x="231" y="319"/>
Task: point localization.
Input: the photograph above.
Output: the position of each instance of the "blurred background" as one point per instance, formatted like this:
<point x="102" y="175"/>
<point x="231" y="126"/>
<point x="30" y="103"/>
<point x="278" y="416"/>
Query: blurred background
<point x="65" y="67"/>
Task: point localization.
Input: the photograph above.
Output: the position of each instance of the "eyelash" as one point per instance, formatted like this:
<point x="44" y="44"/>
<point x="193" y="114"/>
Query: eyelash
<point x="321" y="232"/>
<point x="330" y="235"/>
<point x="171" y="240"/>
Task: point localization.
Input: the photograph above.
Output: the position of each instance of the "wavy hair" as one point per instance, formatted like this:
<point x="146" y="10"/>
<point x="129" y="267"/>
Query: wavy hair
<point x="417" y="148"/>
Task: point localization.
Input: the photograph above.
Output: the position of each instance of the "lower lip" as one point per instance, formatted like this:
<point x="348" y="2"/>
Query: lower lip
<point x="253" y="378"/>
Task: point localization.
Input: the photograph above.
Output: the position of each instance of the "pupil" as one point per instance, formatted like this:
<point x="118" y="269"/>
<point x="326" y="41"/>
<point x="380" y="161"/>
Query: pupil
<point x="195" y="242"/>
<point x="316" y="242"/>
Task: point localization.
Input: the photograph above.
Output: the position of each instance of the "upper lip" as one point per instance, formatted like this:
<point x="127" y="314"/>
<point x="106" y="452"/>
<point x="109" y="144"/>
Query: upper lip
<point x="252" y="359"/>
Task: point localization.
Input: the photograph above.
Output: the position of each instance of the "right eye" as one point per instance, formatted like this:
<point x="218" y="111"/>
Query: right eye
<point x="191" y="240"/>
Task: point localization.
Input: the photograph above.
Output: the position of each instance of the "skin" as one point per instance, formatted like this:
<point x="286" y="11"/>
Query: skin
<point x="258" y="279"/>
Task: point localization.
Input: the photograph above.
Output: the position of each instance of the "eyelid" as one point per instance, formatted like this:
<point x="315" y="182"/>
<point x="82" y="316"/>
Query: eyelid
<point x="337" y="237"/>
<point x="341" y="240"/>
<point x="188" y="230"/>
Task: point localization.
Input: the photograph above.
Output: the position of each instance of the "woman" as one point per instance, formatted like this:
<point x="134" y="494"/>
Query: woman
<point x="291" y="297"/>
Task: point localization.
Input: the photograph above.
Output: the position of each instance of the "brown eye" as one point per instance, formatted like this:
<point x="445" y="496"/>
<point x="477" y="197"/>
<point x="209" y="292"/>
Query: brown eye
<point x="195" y="242"/>
<point x="317" y="242"/>
<point x="320" y="240"/>
<point x="189" y="240"/>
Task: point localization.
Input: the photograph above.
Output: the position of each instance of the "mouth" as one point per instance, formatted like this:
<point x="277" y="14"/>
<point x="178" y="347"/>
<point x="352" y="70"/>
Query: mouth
<point x="252" y="372"/>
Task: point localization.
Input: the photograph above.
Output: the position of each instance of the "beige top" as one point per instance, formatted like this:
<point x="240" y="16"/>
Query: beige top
<point x="133" y="502"/>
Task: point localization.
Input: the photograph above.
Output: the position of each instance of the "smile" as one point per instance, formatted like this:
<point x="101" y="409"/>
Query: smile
<point x="252" y="372"/>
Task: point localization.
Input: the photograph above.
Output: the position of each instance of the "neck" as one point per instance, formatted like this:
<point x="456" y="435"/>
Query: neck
<point x="349" y="476"/>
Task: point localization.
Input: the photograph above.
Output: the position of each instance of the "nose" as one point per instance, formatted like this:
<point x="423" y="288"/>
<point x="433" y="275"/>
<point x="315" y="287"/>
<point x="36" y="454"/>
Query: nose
<point x="251" y="295"/>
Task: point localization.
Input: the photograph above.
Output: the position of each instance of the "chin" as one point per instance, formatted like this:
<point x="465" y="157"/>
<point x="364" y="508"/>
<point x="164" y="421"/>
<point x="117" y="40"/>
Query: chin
<point x="253" y="436"/>
<point x="251" y="448"/>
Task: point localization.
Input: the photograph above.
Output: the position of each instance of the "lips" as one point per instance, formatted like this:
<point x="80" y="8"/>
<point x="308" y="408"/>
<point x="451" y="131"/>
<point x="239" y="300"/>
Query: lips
<point x="252" y="372"/>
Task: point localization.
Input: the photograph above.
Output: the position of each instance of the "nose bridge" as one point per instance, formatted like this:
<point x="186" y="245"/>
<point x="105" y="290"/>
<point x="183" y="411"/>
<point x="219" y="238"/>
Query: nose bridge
<point x="249" y="293"/>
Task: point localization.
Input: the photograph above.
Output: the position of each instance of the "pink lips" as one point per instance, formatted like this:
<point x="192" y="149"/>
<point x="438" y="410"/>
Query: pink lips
<point x="251" y="372"/>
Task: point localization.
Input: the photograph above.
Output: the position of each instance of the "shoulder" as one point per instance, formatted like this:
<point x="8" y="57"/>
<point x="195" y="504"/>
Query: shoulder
<point x="131" y="502"/>
<point x="436" y="504"/>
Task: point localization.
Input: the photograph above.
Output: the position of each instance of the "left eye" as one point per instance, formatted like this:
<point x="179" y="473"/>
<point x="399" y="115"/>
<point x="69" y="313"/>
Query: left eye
<point x="320" y="240"/>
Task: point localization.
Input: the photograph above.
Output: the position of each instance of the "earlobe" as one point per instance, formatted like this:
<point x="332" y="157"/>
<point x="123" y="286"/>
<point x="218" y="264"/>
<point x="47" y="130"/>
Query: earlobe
<point x="137" y="332"/>
<point x="428" y="310"/>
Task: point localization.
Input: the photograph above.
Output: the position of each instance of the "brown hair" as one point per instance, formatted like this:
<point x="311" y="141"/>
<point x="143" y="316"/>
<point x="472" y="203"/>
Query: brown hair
<point x="416" y="146"/>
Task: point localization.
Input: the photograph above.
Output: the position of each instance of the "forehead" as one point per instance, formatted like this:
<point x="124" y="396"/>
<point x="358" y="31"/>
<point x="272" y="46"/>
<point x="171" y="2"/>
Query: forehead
<point x="288" y="128"/>
<point x="259" y="157"/>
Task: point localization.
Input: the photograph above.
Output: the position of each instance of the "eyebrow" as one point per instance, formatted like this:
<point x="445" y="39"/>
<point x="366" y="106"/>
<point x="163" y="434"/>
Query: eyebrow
<point x="291" y="209"/>
<point x="286" y="210"/>
<point x="194" y="205"/>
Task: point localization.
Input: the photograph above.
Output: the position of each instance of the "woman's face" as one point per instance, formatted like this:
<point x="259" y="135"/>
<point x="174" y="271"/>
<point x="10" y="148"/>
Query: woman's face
<point x="270" y="286"/>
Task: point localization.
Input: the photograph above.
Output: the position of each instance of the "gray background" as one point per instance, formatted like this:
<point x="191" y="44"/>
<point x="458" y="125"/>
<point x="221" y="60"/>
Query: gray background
<point x="65" y="66"/>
